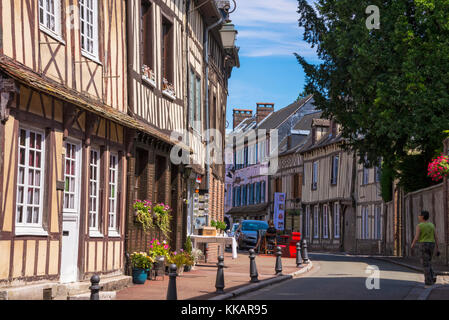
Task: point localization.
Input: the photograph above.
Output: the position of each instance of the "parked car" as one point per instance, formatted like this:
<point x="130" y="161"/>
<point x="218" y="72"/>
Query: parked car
<point x="246" y="234"/>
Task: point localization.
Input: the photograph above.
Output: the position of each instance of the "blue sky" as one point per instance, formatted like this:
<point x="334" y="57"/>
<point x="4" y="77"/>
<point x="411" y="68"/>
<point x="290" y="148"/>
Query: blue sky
<point x="268" y="35"/>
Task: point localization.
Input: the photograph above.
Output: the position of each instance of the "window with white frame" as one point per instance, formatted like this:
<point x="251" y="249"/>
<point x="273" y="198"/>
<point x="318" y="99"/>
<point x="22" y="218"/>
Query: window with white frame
<point x="378" y="222"/>
<point x="316" y="226"/>
<point x="336" y="221"/>
<point x="307" y="222"/>
<point x="325" y="222"/>
<point x="112" y="195"/>
<point x="365" y="225"/>
<point x="50" y="16"/>
<point x="71" y="168"/>
<point x="89" y="27"/>
<point x="30" y="181"/>
<point x="94" y="191"/>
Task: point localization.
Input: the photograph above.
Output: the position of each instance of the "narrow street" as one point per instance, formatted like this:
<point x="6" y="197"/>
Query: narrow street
<point x="340" y="277"/>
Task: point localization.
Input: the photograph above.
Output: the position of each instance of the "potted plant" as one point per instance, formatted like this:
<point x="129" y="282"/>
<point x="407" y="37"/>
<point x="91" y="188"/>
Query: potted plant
<point x="219" y="225"/>
<point x="188" y="264"/>
<point x="141" y="263"/>
<point x="162" y="218"/>
<point x="143" y="214"/>
<point x="160" y="252"/>
<point x="180" y="259"/>
<point x="196" y="254"/>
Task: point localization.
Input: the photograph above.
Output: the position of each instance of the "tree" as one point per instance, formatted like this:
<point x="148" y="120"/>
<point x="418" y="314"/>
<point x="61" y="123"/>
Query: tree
<point x="388" y="87"/>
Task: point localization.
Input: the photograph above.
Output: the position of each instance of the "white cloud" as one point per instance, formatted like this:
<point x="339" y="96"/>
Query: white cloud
<point x="269" y="28"/>
<point x="260" y="12"/>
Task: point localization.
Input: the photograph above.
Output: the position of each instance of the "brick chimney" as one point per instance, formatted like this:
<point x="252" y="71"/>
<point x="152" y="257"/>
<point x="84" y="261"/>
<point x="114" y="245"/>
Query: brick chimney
<point x="239" y="115"/>
<point x="263" y="110"/>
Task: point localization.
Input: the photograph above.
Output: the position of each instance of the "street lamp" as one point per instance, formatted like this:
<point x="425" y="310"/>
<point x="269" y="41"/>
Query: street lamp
<point x="228" y="35"/>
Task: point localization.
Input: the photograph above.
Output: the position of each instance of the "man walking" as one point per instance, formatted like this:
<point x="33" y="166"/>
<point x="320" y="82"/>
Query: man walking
<point x="426" y="236"/>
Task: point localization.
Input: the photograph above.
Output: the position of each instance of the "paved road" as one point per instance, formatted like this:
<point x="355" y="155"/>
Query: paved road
<point x="340" y="277"/>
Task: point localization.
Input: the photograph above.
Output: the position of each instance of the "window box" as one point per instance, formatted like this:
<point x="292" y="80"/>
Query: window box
<point x="148" y="76"/>
<point x="168" y="89"/>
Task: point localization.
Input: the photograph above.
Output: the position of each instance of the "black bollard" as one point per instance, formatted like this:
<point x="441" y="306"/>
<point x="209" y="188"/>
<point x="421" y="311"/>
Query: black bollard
<point x="95" y="287"/>
<point x="172" y="292"/>
<point x="219" y="283"/>
<point x="305" y="255"/>
<point x="298" y="255"/>
<point x="278" y="267"/>
<point x="252" y="266"/>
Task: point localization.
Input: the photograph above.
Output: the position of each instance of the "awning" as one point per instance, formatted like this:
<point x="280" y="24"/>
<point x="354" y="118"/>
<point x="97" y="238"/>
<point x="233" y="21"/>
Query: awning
<point x="257" y="209"/>
<point x="29" y="78"/>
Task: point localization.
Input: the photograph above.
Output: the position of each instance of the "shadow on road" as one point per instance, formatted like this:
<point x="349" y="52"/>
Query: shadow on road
<point x="383" y="265"/>
<point x="334" y="288"/>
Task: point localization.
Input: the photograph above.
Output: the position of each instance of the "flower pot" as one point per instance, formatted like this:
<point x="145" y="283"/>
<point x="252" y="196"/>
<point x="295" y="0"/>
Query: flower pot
<point x="139" y="275"/>
<point x="180" y="271"/>
<point x="187" y="268"/>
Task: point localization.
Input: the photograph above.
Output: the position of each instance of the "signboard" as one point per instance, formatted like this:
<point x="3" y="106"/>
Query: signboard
<point x="200" y="210"/>
<point x="279" y="211"/>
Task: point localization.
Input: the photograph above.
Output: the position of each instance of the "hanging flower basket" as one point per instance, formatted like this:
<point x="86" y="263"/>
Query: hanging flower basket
<point x="439" y="168"/>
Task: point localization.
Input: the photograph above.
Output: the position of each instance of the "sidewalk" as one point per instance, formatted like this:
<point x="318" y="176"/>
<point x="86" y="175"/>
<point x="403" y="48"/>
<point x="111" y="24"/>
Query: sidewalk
<point x="440" y="291"/>
<point x="199" y="284"/>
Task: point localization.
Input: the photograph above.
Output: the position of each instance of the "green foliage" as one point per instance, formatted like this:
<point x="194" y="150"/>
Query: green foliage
<point x="181" y="259"/>
<point x="141" y="260"/>
<point x="151" y="216"/>
<point x="388" y="87"/>
<point x="219" y="225"/>
<point x="411" y="172"/>
<point x="188" y="245"/>
<point x="386" y="183"/>
<point x="163" y="218"/>
<point x="144" y="215"/>
<point x="158" y="248"/>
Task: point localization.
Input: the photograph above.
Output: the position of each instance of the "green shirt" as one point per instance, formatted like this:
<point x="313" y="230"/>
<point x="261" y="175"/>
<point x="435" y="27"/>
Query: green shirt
<point x="427" y="232"/>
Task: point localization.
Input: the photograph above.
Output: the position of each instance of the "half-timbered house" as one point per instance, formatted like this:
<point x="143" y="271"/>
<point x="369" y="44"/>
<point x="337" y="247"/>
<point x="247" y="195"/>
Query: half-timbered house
<point x="169" y="76"/>
<point x="328" y="186"/>
<point x="371" y="211"/>
<point x="156" y="94"/>
<point x="289" y="177"/>
<point x="64" y="134"/>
